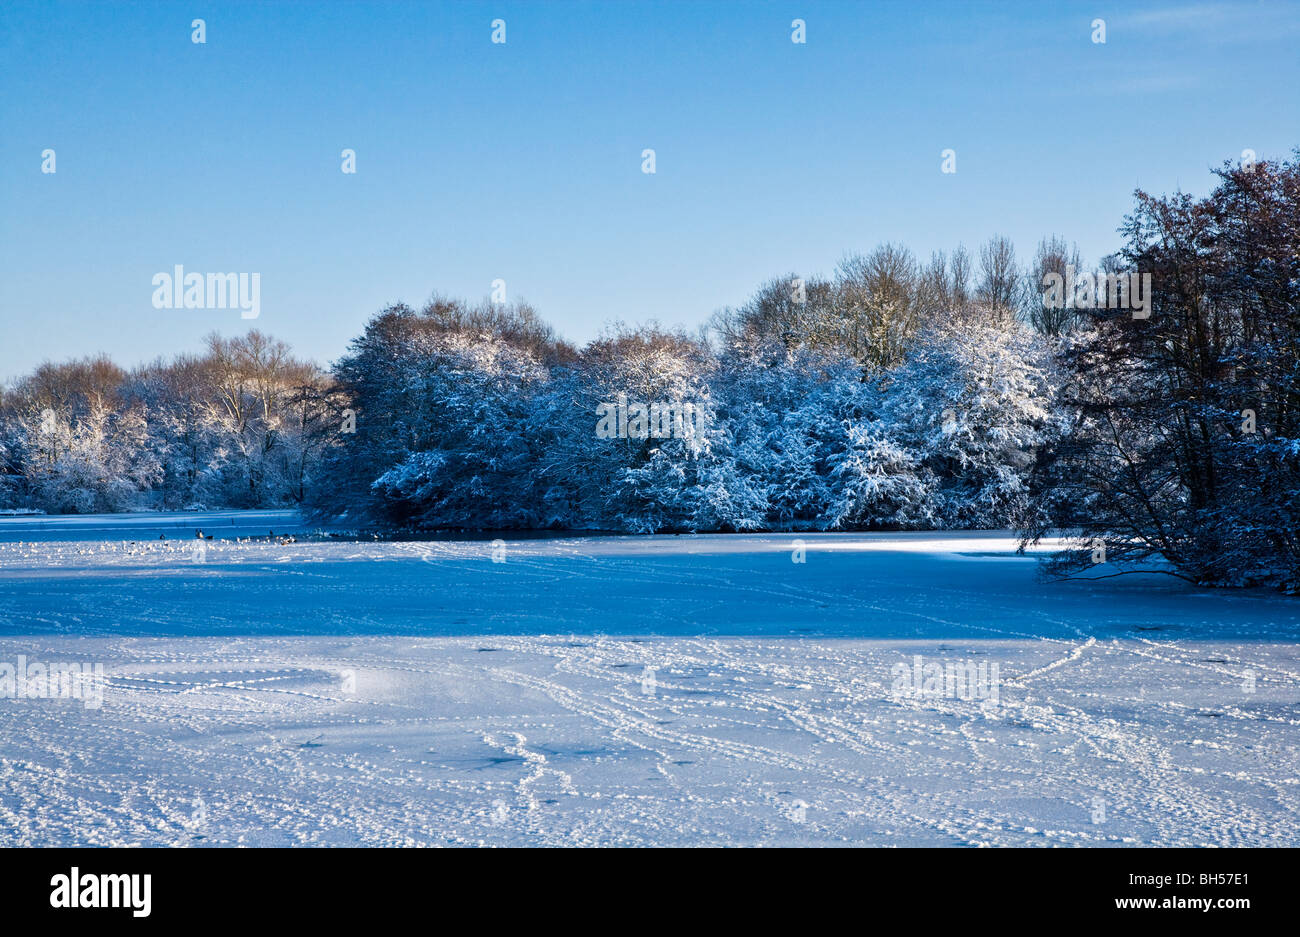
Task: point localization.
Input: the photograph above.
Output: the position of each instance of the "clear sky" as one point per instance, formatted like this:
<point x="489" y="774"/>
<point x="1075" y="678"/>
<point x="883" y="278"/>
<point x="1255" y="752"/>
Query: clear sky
<point x="522" y="161"/>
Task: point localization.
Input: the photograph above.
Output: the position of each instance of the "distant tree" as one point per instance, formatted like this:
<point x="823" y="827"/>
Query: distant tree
<point x="794" y="311"/>
<point x="879" y="304"/>
<point x="959" y="280"/>
<point x="1001" y="288"/>
<point x="1053" y="256"/>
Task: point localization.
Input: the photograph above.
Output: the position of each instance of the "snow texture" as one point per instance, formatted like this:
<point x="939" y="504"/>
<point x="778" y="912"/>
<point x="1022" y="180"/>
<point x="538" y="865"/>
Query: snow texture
<point x="629" y="691"/>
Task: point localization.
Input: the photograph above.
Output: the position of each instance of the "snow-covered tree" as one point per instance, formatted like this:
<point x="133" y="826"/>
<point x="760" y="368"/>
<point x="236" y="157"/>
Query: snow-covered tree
<point x="971" y="405"/>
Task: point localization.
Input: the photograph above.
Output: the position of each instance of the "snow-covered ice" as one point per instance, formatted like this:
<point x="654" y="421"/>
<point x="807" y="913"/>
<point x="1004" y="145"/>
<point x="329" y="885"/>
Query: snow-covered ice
<point x="629" y="690"/>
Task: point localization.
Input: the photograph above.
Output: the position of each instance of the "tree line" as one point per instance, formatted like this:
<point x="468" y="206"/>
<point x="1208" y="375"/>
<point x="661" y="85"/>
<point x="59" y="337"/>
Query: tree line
<point x="895" y="393"/>
<point x="241" y="425"/>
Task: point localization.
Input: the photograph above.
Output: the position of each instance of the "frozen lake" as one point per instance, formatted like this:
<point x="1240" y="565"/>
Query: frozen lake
<point x="173" y="525"/>
<point x="621" y="690"/>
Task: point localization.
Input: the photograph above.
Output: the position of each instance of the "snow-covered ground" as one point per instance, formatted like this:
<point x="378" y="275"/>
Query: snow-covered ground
<point x="620" y="690"/>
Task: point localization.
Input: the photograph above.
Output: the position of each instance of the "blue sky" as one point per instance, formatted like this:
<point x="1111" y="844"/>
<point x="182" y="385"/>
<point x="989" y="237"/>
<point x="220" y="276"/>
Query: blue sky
<point x="522" y="161"/>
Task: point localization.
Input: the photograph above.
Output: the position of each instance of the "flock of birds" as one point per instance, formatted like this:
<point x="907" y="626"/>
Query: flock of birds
<point x="282" y="539"/>
<point x="131" y="547"/>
